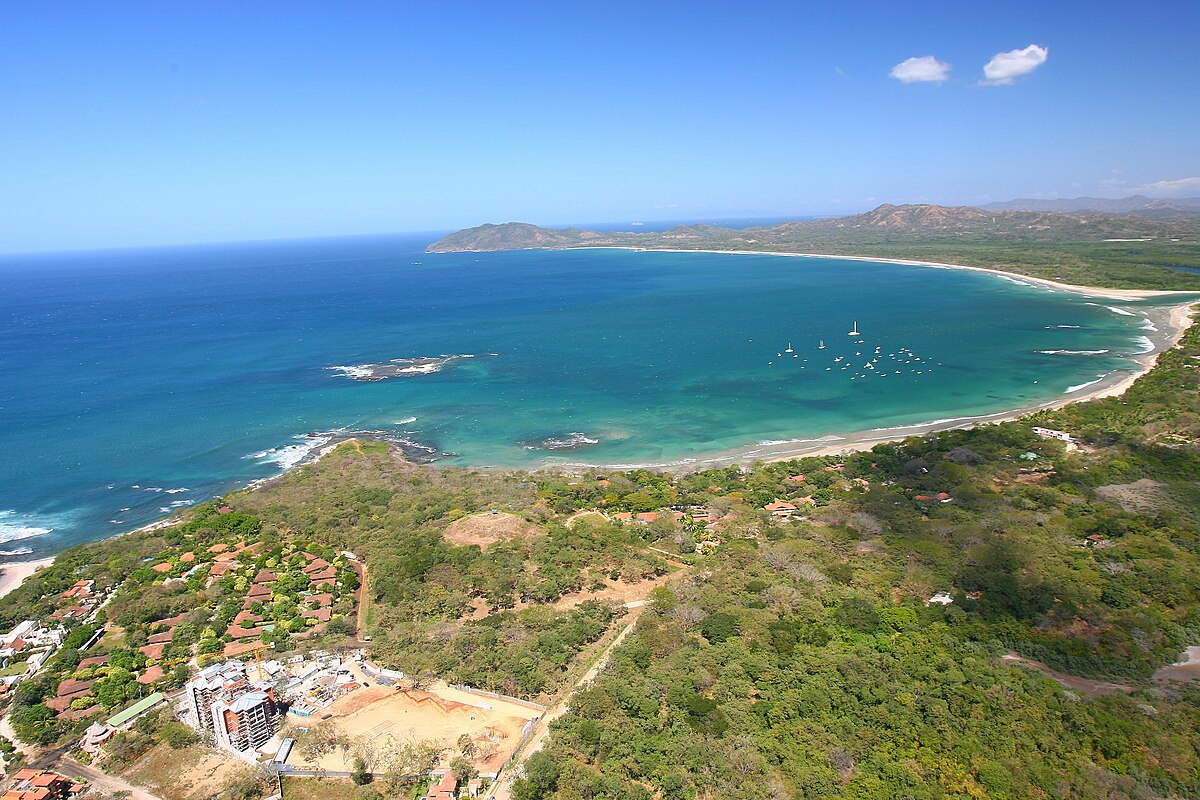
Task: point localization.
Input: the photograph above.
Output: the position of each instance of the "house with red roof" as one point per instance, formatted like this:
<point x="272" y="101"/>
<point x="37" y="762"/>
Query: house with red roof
<point x="779" y="508"/>
<point x="36" y="784"/>
<point x="444" y="789"/>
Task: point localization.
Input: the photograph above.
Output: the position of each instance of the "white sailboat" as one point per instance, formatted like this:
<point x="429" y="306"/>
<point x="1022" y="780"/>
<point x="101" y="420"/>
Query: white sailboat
<point x="855" y="331"/>
<point x="821" y="346"/>
<point x="789" y="348"/>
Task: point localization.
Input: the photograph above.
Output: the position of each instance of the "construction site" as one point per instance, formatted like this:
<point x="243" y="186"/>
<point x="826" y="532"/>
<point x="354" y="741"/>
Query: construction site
<point x="441" y="713"/>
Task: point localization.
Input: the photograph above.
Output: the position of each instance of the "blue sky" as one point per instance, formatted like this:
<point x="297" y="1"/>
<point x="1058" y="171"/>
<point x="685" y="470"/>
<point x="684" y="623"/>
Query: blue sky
<point x="172" y="122"/>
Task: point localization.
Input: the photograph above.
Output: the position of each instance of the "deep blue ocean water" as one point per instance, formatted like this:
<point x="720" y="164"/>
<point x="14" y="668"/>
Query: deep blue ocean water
<point x="132" y="382"/>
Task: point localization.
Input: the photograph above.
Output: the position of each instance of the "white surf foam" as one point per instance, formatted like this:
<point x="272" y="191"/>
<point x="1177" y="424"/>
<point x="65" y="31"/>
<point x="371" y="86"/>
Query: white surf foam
<point x="1073" y="352"/>
<point x="290" y="455"/>
<point x="774" y="442"/>
<point x="399" y="367"/>
<point x="1144" y="343"/>
<point x="20" y="551"/>
<point x="405" y="421"/>
<point x="1123" y="312"/>
<point x="14" y="527"/>
<point x="1076" y="388"/>
<point x="1147" y="325"/>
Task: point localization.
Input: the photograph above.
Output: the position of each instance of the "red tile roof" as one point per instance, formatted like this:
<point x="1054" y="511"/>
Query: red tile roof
<point x="150" y="675"/>
<point x="153" y="651"/>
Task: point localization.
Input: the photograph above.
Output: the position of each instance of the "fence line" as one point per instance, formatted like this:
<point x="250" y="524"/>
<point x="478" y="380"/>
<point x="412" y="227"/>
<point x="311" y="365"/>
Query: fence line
<point x="462" y="687"/>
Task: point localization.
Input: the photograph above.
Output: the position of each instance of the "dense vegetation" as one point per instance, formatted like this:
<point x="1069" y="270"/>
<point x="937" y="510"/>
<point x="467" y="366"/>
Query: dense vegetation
<point x="802" y="661"/>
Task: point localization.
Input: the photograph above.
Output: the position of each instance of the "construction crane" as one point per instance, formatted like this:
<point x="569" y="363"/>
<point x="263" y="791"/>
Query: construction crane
<point x="257" y="650"/>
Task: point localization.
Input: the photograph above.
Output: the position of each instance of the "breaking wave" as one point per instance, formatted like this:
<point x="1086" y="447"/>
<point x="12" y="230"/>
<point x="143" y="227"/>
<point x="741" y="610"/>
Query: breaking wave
<point x="1077" y="387"/>
<point x="14" y="527"/>
<point x="1074" y="352"/>
<point x="1145" y="343"/>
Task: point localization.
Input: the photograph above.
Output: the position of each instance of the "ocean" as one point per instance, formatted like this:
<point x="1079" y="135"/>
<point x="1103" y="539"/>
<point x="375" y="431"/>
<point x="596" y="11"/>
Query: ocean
<point x="137" y="382"/>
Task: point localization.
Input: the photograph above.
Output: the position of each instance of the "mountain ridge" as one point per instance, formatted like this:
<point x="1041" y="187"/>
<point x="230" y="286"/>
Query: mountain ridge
<point x="886" y="222"/>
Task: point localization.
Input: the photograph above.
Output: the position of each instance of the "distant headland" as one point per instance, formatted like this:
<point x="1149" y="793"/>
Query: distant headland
<point x="1153" y="245"/>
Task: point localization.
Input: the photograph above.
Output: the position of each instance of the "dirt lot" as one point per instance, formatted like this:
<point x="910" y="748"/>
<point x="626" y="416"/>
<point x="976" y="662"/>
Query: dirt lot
<point x="193" y="773"/>
<point x="1143" y="495"/>
<point x="441" y="713"/>
<point x="487" y="528"/>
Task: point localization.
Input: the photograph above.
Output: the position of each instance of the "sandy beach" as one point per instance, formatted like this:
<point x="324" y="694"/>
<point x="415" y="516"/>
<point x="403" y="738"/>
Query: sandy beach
<point x="12" y="574"/>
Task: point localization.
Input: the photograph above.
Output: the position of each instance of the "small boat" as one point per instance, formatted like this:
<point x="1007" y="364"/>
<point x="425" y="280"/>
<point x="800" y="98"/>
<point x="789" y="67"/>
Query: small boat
<point x="789" y="348"/>
<point x="821" y="346"/>
<point x="855" y="331"/>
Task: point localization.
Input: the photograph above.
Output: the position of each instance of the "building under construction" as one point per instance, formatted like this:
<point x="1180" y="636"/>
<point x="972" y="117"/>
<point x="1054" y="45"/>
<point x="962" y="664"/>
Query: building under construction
<point x="241" y="714"/>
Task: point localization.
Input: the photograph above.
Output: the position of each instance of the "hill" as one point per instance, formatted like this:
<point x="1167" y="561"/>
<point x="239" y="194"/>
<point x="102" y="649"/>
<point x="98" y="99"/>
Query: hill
<point x="885" y="223"/>
<point x="1147" y="250"/>
<point x="1135" y="204"/>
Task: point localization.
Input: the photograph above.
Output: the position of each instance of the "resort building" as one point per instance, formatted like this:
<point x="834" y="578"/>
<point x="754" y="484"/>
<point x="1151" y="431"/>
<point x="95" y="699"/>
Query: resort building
<point x="247" y="723"/>
<point x="95" y="737"/>
<point x="239" y="713"/>
<point x="780" y="509"/>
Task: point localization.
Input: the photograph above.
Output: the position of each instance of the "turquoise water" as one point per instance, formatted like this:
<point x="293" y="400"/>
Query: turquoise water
<point x="132" y="382"/>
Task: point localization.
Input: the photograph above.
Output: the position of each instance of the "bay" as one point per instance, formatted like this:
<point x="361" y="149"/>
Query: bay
<point x="136" y="382"/>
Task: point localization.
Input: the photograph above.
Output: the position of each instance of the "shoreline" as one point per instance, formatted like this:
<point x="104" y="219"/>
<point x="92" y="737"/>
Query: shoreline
<point x="14" y="573"/>
<point x="1090" y="291"/>
<point x="1174" y="321"/>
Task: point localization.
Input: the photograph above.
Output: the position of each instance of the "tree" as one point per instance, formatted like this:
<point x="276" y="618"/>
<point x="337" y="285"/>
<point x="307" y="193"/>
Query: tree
<point x="35" y="724"/>
<point x="719" y="626"/>
<point x="541" y="777"/>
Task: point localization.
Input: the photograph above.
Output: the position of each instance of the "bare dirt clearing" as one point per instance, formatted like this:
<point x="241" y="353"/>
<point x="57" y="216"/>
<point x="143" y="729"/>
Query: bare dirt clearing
<point x="442" y="713"/>
<point x="193" y="773"/>
<point x="488" y="528"/>
<point x="1139" y="496"/>
<point x="1084" y="685"/>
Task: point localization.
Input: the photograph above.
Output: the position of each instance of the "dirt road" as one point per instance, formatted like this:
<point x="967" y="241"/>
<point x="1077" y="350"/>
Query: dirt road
<point x="502" y="789"/>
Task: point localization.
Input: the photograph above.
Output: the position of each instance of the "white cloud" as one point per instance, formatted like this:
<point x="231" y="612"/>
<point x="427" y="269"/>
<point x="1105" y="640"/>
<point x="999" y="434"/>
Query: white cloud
<point x="1004" y="68"/>
<point x="922" y="69"/>
<point x="1177" y="186"/>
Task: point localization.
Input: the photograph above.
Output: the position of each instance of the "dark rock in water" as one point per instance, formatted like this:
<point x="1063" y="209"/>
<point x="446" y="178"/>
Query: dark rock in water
<point x="398" y="367"/>
<point x="568" y="441"/>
